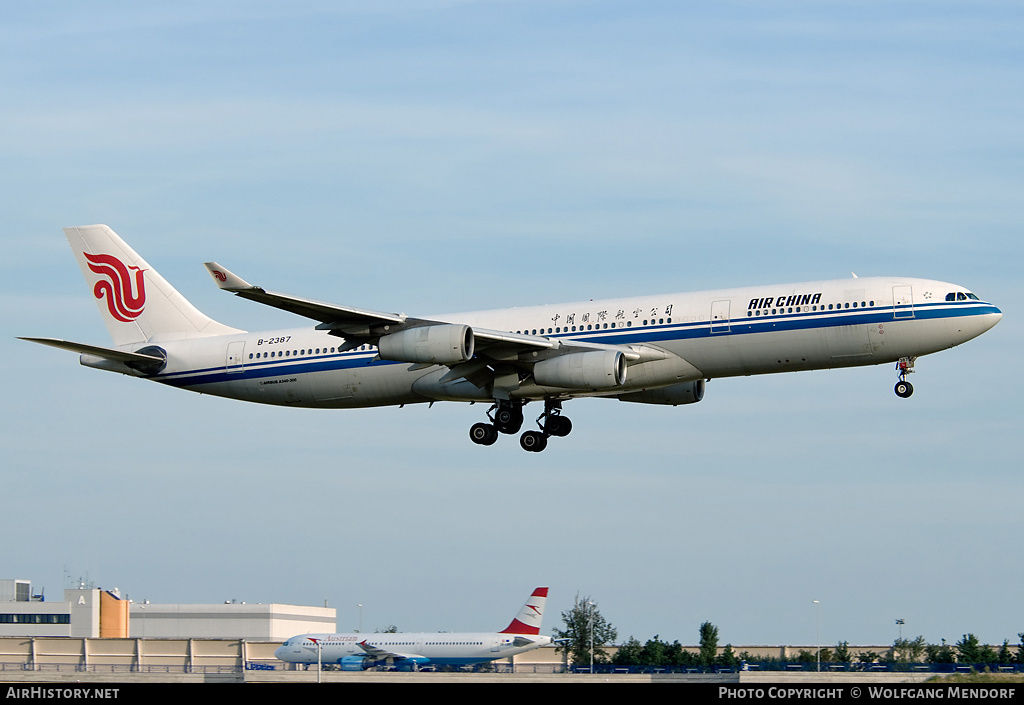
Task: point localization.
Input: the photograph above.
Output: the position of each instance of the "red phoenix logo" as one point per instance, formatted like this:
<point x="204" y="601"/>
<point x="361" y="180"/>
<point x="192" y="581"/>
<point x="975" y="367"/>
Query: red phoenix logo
<point x="221" y="276"/>
<point x="124" y="301"/>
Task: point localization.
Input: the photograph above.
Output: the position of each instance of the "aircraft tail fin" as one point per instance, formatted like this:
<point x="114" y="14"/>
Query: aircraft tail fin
<point x="530" y="616"/>
<point x="136" y="303"/>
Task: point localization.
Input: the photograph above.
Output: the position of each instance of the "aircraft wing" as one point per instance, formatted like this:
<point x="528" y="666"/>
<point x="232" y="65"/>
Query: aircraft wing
<point x="345" y="319"/>
<point x="379" y="654"/>
<point x="364" y="324"/>
<point x="497" y="357"/>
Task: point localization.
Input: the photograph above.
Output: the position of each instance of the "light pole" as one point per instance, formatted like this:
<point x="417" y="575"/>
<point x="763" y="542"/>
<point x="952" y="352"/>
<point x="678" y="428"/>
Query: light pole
<point x="899" y="623"/>
<point x="817" y="631"/>
<point x="592" y="608"/>
<point x="319" y="659"/>
<point x="360" y="606"/>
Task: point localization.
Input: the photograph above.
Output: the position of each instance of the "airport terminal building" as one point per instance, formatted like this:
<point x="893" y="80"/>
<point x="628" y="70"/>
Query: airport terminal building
<point x="90" y="612"/>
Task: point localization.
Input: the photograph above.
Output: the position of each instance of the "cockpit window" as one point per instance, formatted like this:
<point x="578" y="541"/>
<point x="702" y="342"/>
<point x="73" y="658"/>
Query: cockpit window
<point x="961" y="296"/>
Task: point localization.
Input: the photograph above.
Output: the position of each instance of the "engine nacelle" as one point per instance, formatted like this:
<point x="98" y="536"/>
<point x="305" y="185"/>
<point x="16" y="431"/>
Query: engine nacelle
<point x="411" y="663"/>
<point x="672" y="395"/>
<point x="354" y="663"/>
<point x="600" y="369"/>
<point x="440" y="345"/>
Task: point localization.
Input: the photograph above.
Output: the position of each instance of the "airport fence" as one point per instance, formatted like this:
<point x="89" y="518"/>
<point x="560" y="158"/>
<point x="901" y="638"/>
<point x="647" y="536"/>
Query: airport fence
<point x="539" y="668"/>
<point x="771" y="666"/>
<point x="114" y="668"/>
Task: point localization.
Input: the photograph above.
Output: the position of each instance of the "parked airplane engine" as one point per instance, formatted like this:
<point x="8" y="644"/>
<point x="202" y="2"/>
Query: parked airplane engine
<point x="600" y="369"/>
<point x="354" y="663"/>
<point x="440" y="345"/>
<point x="672" y="395"/>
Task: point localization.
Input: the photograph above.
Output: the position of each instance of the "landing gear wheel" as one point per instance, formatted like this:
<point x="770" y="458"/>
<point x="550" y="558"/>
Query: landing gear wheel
<point x="509" y="419"/>
<point x="904" y="367"/>
<point x="483" y="434"/>
<point x="533" y="441"/>
<point x="558" y="426"/>
<point x="904" y="389"/>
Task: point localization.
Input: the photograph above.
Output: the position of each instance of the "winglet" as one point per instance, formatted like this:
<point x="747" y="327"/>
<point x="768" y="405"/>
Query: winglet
<point x="225" y="279"/>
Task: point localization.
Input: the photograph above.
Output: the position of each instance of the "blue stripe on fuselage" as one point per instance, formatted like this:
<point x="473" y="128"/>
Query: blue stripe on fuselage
<point x="612" y="336"/>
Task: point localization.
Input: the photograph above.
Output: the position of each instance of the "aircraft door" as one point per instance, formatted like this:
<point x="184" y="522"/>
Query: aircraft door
<point x="903" y="301"/>
<point x="720" y="316"/>
<point x="236" y="354"/>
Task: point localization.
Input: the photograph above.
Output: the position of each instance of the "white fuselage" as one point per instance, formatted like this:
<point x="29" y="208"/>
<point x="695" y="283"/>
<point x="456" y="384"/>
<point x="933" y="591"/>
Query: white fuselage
<point x="451" y="649"/>
<point x="725" y="333"/>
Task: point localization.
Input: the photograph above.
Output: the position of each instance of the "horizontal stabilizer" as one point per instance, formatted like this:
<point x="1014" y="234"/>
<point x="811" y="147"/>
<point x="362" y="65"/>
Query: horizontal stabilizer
<point x="106" y="353"/>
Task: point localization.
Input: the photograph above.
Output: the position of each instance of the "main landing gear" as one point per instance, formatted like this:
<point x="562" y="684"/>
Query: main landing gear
<point x="507" y="417"/>
<point x="905" y="366"/>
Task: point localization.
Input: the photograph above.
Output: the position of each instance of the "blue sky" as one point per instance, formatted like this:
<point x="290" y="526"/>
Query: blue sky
<point x="438" y="156"/>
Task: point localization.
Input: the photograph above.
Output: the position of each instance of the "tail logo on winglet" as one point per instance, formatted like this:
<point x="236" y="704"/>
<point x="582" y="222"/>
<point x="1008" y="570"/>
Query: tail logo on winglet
<point x="124" y="301"/>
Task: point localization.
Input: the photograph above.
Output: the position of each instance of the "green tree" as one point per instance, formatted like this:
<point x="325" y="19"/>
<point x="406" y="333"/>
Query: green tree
<point x="805" y="656"/>
<point x="867" y="657"/>
<point x="584" y="624"/>
<point x="628" y="653"/>
<point x="708" y="644"/>
<point x="728" y="658"/>
<point x="678" y="656"/>
<point x="939" y="653"/>
<point x="970" y="650"/>
<point x="908" y="651"/>
<point x="842" y="654"/>
<point x="654" y="653"/>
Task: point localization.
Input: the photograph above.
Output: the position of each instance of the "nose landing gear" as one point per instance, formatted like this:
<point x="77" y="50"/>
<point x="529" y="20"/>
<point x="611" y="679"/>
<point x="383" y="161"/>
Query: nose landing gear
<point x="905" y="366"/>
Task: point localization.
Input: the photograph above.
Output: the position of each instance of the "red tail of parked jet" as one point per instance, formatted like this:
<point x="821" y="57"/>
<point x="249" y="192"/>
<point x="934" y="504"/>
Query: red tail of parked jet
<point x="529" y="619"/>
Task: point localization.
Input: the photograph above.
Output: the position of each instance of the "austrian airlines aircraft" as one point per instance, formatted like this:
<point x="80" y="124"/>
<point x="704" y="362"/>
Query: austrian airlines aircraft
<point x="408" y="651"/>
<point x="649" y="349"/>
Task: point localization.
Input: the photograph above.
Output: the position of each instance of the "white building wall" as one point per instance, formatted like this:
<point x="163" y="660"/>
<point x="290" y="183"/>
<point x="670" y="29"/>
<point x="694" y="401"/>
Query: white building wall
<point x="270" y="622"/>
<point x="85" y="612"/>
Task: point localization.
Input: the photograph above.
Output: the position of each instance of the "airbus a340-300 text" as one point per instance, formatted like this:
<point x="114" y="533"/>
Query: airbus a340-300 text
<point x="647" y="349"/>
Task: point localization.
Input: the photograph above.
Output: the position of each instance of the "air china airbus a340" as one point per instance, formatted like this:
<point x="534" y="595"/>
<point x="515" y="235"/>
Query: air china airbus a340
<point x="648" y="349"/>
<point x="408" y="651"/>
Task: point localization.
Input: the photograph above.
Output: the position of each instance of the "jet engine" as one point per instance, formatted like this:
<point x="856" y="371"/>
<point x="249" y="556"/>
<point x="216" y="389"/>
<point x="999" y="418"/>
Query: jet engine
<point x="440" y="345"/>
<point x="672" y="395"/>
<point x="600" y="369"/>
<point x="354" y="663"/>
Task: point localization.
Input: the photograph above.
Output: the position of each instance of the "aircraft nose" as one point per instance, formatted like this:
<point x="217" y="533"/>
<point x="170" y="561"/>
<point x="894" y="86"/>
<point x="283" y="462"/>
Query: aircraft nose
<point x="995" y="316"/>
